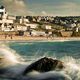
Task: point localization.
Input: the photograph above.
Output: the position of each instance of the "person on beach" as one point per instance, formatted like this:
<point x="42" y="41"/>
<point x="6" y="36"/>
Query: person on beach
<point x="5" y="36"/>
<point x="10" y="36"/>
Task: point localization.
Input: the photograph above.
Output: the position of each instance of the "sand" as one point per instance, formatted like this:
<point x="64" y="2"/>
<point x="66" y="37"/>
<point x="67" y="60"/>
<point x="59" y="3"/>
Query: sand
<point x="30" y="38"/>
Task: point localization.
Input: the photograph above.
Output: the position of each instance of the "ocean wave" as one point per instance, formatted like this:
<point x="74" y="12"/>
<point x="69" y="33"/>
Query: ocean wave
<point x="71" y="72"/>
<point x="9" y="56"/>
<point x="12" y="65"/>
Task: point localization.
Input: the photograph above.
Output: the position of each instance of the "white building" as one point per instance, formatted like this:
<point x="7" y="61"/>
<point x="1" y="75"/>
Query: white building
<point x="38" y="33"/>
<point x="5" y="23"/>
<point x="77" y="29"/>
<point x="32" y="25"/>
<point x="21" y="27"/>
<point x="48" y="26"/>
<point x="24" y="20"/>
<point x="73" y="25"/>
<point x="11" y="17"/>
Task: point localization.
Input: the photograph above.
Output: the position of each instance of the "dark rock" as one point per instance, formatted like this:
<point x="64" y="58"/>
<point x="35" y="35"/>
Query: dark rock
<point x="44" y="65"/>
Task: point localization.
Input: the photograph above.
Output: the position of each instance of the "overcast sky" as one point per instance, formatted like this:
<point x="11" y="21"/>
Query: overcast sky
<point x="42" y="7"/>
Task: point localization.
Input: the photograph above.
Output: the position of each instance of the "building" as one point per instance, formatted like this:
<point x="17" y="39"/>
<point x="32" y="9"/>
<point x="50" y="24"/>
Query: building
<point x="21" y="27"/>
<point x="23" y="20"/>
<point x="48" y="26"/>
<point x="6" y="23"/>
<point x="32" y="25"/>
<point x="38" y="33"/>
<point x="66" y="33"/>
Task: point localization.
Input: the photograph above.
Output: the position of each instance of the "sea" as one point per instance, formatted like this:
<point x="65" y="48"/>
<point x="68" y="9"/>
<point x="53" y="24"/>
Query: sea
<point x="17" y="55"/>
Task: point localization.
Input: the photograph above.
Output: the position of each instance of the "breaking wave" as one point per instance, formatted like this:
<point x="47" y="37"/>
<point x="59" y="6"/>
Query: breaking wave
<point x="12" y="65"/>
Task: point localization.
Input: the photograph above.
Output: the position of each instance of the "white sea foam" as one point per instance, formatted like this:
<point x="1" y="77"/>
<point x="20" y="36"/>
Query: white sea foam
<point x="8" y="56"/>
<point x="72" y="67"/>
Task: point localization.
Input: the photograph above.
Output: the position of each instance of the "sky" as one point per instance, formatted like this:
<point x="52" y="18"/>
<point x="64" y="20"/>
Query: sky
<point x="42" y="7"/>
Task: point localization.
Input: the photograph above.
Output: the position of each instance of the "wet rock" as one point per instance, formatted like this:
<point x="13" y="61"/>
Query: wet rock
<point x="44" y="65"/>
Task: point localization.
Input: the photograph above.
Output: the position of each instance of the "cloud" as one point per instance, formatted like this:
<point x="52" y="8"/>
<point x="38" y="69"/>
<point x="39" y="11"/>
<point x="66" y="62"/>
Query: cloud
<point x="32" y="13"/>
<point x="69" y="5"/>
<point x="16" y="7"/>
<point x="65" y="8"/>
<point x="61" y="8"/>
<point x="44" y="13"/>
<point x="68" y="9"/>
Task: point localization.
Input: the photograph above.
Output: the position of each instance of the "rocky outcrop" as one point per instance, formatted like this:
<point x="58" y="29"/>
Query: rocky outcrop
<point x="44" y="65"/>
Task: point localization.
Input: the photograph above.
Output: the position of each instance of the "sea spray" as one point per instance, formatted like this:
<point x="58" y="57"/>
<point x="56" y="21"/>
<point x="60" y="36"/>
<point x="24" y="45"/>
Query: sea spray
<point x="52" y="75"/>
<point x="34" y="52"/>
<point x="8" y="56"/>
<point x="72" y="67"/>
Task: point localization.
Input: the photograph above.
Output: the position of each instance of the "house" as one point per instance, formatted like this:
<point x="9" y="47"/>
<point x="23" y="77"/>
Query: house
<point x="73" y="25"/>
<point x="78" y="24"/>
<point x="38" y="33"/>
<point x="77" y="29"/>
<point x="21" y="27"/>
<point x="11" y="17"/>
<point x="48" y="26"/>
<point x="23" y="20"/>
<point x="66" y="33"/>
<point x="32" y="25"/>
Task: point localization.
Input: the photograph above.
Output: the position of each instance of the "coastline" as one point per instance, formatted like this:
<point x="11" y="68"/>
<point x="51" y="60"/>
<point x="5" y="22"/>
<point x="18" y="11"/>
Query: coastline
<point x="36" y="39"/>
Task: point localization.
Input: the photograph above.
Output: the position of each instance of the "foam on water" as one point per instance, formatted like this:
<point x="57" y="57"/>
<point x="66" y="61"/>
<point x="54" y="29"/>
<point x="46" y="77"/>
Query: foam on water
<point x="72" y="67"/>
<point x="11" y="58"/>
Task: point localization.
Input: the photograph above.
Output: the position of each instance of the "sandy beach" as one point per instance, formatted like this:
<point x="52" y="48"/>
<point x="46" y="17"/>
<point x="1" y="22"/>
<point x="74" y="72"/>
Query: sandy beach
<point x="29" y="38"/>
